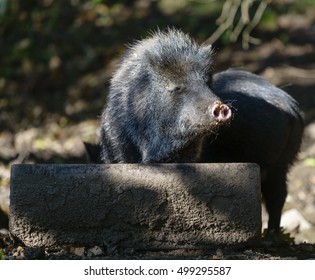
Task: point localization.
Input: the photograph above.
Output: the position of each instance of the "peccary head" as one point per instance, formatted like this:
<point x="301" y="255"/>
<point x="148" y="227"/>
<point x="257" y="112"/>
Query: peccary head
<point x="160" y="104"/>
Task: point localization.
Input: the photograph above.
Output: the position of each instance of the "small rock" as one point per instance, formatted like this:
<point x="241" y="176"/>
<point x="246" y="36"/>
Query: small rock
<point x="18" y="253"/>
<point x="95" y="251"/>
<point x="78" y="251"/>
<point x="293" y="220"/>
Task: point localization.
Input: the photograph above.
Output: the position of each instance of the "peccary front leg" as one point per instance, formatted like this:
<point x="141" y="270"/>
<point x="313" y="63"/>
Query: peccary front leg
<point x="274" y="191"/>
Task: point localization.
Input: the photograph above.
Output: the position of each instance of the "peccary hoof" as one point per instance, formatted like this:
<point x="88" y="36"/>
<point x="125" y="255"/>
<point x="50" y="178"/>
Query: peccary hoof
<point x="138" y="207"/>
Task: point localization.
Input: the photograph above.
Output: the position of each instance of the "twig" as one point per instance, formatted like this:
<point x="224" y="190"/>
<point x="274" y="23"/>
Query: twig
<point x="226" y="19"/>
<point x="244" y="25"/>
<point x="254" y="22"/>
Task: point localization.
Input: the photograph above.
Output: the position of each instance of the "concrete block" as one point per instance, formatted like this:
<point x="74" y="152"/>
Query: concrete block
<point x="137" y="207"/>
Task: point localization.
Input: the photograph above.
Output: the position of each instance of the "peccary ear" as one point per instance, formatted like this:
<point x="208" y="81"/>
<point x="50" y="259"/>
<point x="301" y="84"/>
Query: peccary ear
<point x="207" y="48"/>
<point x="207" y="52"/>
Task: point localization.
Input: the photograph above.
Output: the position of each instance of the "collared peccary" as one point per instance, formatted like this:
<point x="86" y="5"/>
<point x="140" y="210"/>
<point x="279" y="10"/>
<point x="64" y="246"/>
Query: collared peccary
<point x="165" y="105"/>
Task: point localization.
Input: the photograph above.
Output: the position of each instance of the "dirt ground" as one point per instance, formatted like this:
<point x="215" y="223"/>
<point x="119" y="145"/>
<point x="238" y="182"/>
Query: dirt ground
<point x="290" y="66"/>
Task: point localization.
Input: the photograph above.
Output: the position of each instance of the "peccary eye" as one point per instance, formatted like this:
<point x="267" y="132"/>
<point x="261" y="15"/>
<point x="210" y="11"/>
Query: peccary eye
<point x="175" y="90"/>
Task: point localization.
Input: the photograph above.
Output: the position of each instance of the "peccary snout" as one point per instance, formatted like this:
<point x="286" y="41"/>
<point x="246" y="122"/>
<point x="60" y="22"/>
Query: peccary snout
<point x="221" y="112"/>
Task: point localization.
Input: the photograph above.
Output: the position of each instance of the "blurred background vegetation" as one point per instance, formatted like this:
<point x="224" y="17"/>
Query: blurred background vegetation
<point x="57" y="57"/>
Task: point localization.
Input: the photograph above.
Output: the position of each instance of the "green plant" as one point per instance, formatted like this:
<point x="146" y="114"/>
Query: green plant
<point x="1" y="255"/>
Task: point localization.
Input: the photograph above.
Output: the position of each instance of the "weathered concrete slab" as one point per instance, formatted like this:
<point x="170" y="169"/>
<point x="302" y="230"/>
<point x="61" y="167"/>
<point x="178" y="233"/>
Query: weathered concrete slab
<point x="132" y="206"/>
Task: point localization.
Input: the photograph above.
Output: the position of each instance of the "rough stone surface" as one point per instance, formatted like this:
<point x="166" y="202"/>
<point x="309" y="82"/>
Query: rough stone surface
<point x="136" y="207"/>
